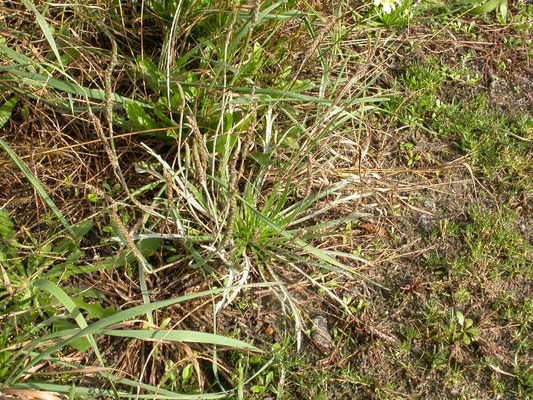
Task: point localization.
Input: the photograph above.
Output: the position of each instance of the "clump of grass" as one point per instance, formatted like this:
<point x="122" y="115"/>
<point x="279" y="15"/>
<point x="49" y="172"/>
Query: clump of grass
<point x="229" y="110"/>
<point x="221" y="136"/>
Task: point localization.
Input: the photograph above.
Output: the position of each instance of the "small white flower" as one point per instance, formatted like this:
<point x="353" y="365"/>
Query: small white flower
<point x="388" y="5"/>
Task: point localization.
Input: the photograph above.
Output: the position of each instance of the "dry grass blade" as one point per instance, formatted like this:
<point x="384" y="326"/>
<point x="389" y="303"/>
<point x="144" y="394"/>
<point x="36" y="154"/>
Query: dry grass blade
<point x="25" y="394"/>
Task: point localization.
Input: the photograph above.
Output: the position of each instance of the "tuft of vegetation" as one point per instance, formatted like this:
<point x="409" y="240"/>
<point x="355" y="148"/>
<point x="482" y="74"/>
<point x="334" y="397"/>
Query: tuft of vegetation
<point x="266" y="199"/>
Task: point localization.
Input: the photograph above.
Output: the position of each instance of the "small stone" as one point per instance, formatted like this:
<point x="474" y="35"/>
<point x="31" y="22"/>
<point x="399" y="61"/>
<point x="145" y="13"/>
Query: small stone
<point x="426" y="223"/>
<point x="321" y="335"/>
<point x="430" y="204"/>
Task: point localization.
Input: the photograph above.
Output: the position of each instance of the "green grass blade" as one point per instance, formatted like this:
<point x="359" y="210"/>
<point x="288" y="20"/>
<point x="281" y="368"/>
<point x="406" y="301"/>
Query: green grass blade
<point x="75" y="312"/>
<point x="21" y="59"/>
<point x="120" y="317"/>
<point x="99" y="393"/>
<point x="302" y="244"/>
<point x="296" y="242"/>
<point x="236" y="42"/>
<point x="50" y="39"/>
<point x="181" y="336"/>
<point x="46" y="30"/>
<point x="263" y="96"/>
<point x="168" y="335"/>
<point x="62" y="86"/>
<point x="64" y="299"/>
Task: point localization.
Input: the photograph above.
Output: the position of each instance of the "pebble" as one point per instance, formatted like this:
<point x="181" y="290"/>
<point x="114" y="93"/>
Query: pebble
<point x="426" y="223"/>
<point x="430" y="204"/>
<point x="321" y="335"/>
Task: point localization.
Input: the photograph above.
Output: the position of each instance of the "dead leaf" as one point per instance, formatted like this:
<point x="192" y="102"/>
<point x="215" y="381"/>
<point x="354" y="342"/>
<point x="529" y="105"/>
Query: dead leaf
<point x="373" y="228"/>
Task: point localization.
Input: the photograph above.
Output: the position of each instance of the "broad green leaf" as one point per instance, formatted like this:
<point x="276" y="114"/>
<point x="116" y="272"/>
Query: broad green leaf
<point x="503" y="10"/>
<point x="140" y="119"/>
<point x="473" y="332"/>
<point x="6" y="226"/>
<point x="460" y="318"/>
<point x="150" y="72"/>
<point x="488" y="7"/>
<point x="186" y="374"/>
<point x="6" y="110"/>
<point x="93" y="310"/>
<point x="80" y="230"/>
<point x="261" y="158"/>
<point x="257" y="389"/>
<point x="222" y="142"/>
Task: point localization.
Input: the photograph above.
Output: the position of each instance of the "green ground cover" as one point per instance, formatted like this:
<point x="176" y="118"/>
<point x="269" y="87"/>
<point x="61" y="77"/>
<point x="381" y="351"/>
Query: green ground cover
<point x="266" y="199"/>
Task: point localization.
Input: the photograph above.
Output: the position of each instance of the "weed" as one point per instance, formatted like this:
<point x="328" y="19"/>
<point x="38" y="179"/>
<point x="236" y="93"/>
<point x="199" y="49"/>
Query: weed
<point x="241" y="142"/>
<point x="462" y="329"/>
